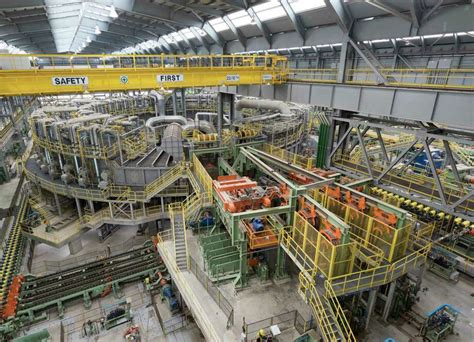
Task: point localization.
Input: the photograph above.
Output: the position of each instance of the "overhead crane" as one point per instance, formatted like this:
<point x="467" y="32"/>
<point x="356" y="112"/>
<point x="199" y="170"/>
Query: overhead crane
<point x="69" y="73"/>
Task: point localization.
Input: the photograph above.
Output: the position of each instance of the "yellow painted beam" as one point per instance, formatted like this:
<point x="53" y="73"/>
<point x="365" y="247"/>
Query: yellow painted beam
<point x="63" y="74"/>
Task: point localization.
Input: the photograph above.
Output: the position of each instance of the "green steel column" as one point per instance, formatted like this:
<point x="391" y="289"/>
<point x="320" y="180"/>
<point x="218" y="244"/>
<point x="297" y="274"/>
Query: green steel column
<point x="280" y="272"/>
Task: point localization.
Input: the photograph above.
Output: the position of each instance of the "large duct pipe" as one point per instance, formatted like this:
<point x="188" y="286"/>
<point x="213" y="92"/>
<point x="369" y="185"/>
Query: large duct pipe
<point x="159" y="120"/>
<point x="208" y="115"/>
<point x="159" y="102"/>
<point x="278" y="106"/>
<point x="204" y="126"/>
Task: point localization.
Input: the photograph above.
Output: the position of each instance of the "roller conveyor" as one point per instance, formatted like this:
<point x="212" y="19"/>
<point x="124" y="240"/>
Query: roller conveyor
<point x="428" y="192"/>
<point x="40" y="293"/>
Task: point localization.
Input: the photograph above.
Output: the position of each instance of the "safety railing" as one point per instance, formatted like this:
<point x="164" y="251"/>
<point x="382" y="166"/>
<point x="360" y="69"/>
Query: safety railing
<point x="316" y="252"/>
<point x="165" y="180"/>
<point x="199" y="312"/>
<point x="339" y="312"/>
<point x="328" y="312"/>
<point x="213" y="291"/>
<point x="302" y="161"/>
<point x="374" y="147"/>
<point x="71" y="61"/>
<point x="392" y="241"/>
<point x="35" y="203"/>
<point x="353" y="282"/>
<point x="106" y="152"/>
<point x="203" y="176"/>
<point x="422" y="78"/>
<point x="464" y="153"/>
<point x="285" y="321"/>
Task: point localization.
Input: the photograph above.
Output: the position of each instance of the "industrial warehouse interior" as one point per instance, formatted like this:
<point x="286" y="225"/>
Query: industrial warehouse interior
<point x="237" y="170"/>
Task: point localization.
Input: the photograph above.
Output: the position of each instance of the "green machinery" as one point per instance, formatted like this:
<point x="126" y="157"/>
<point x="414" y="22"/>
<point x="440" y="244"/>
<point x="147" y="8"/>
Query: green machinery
<point x="221" y="259"/>
<point x="444" y="264"/>
<point x="439" y="323"/>
<point x="324" y="129"/>
<point x="118" y="313"/>
<point x="309" y="336"/>
<point x="39" y="336"/>
<point x="405" y="297"/>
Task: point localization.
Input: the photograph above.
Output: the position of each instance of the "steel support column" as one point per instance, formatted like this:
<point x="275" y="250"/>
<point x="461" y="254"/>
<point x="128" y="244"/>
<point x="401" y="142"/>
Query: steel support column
<point x="451" y="161"/>
<point x="396" y="161"/>
<point x="434" y="173"/>
<point x="364" y="152"/>
<point x="382" y="145"/>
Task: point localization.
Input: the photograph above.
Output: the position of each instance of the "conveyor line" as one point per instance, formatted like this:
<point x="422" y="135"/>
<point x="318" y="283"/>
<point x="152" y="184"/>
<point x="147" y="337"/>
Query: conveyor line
<point x="40" y="293"/>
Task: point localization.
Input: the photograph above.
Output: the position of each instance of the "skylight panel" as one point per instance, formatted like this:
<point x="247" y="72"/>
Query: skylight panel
<point x="187" y="33"/>
<point x="176" y="36"/>
<point x="300" y="6"/>
<point x="269" y="10"/>
<point x="240" y="18"/>
<point x="218" y="24"/>
<point x="168" y="39"/>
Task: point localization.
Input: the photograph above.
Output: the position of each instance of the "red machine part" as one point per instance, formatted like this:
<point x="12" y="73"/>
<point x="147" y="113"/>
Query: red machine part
<point x="334" y="192"/>
<point x="308" y="211"/>
<point x="239" y="194"/>
<point x="359" y="204"/>
<point x="385" y="217"/>
<point x="12" y="298"/>
<point x="332" y="233"/>
<point x="302" y="179"/>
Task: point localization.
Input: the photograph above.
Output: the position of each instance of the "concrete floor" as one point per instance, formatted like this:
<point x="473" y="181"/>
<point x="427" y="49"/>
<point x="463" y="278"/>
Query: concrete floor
<point x="259" y="300"/>
<point x="143" y="315"/>
<point x="91" y="244"/>
<point x="7" y="190"/>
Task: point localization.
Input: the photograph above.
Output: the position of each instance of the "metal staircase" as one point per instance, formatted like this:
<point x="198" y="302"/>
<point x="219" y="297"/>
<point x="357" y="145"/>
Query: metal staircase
<point x="179" y="233"/>
<point x="161" y="183"/>
<point x="328" y="314"/>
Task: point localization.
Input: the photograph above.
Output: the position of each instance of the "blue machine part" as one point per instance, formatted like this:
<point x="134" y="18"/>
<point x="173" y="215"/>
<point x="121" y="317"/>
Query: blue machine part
<point x="257" y="225"/>
<point x="441" y="308"/>
<point x="207" y="221"/>
<point x="422" y="162"/>
<point x="167" y="292"/>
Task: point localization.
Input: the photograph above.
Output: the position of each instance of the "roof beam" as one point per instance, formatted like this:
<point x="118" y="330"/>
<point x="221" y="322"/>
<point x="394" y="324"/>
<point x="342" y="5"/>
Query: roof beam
<point x="416" y="12"/>
<point x="162" y="13"/>
<point x="213" y="34"/>
<point x="201" y="39"/>
<point x="369" y="62"/>
<point x="188" y="42"/>
<point x="344" y="17"/>
<point x="261" y="26"/>
<point x="389" y="9"/>
<point x="433" y="9"/>
<point x="165" y="46"/>
<point x="295" y="19"/>
<point x="242" y="4"/>
<point x="240" y="36"/>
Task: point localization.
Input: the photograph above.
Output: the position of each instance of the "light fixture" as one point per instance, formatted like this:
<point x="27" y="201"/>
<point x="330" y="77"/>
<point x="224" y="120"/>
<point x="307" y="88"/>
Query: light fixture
<point x="88" y="39"/>
<point x="97" y="30"/>
<point x="113" y="12"/>
<point x="84" y="44"/>
<point x="252" y="19"/>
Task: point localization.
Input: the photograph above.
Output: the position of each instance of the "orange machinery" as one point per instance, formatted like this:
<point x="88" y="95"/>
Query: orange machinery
<point x="302" y="179"/>
<point x="12" y="299"/>
<point x="308" y="211"/>
<point x="260" y="239"/>
<point x="239" y="194"/>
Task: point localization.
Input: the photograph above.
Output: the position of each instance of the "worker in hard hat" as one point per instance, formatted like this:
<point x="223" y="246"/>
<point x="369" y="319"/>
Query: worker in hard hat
<point x="262" y="336"/>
